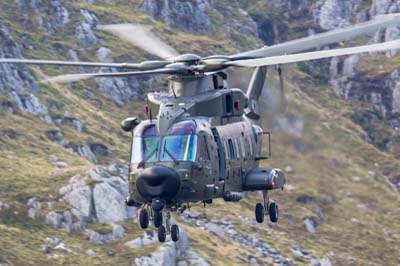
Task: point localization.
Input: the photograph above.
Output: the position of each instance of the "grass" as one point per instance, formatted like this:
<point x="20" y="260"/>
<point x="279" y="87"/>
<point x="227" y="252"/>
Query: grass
<point x="325" y="173"/>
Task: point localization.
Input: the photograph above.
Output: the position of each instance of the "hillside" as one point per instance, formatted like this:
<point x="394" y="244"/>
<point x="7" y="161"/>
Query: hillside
<point x="63" y="157"/>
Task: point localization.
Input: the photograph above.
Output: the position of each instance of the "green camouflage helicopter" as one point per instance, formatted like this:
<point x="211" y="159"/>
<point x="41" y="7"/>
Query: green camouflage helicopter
<point x="202" y="139"/>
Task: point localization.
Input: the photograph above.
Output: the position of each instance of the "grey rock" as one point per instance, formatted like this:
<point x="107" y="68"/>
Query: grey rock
<point x="4" y="206"/>
<point x="330" y="14"/>
<point x="53" y="240"/>
<point x="60" y="164"/>
<point x="85" y="31"/>
<point x="103" y="200"/>
<point x="85" y="151"/>
<point x="46" y="249"/>
<point x="289" y="169"/>
<point x="120" y="90"/>
<point x="183" y="15"/>
<point x="62" y="247"/>
<point x="79" y="196"/>
<point x="243" y="24"/>
<point x="117" y="233"/>
<point x="372" y="173"/>
<point x="148" y="238"/>
<point x="214" y="228"/>
<point x="30" y="103"/>
<point x="35" y="206"/>
<point x="109" y="204"/>
<point x="55" y="219"/>
<point x="310" y="224"/>
<point x="91" y="253"/>
<point x="356" y="179"/>
<point x="165" y="256"/>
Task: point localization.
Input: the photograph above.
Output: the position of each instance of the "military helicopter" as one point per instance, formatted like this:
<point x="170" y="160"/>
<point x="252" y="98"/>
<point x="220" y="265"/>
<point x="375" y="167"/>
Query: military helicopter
<point x="202" y="139"/>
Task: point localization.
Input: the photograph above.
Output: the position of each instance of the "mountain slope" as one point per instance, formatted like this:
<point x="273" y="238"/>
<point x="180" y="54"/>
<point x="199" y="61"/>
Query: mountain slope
<point x="340" y="206"/>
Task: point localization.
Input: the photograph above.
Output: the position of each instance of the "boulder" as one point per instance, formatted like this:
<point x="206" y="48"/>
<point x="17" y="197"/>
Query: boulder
<point x="117" y="233"/>
<point x="109" y="204"/>
<point x="310" y="224"/>
<point x="98" y="196"/>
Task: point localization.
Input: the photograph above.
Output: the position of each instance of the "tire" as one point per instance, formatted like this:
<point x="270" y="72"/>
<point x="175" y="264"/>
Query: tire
<point x="162" y="234"/>
<point x="259" y="213"/>
<point x="174" y="233"/>
<point x="273" y="212"/>
<point x="143" y="218"/>
<point x="157" y="219"/>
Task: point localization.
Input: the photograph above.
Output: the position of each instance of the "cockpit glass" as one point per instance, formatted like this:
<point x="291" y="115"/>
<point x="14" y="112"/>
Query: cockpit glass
<point x="180" y="148"/>
<point x="179" y="145"/>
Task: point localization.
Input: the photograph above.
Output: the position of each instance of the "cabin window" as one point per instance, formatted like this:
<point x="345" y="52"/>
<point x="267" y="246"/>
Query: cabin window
<point x="202" y="149"/>
<point x="228" y="100"/>
<point x="237" y="149"/>
<point x="250" y="146"/>
<point x="231" y="149"/>
<point x="226" y="151"/>
<point x="243" y="148"/>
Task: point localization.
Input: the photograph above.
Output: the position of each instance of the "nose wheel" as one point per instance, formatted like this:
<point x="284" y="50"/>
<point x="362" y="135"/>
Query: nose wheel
<point x="146" y="214"/>
<point x="268" y="207"/>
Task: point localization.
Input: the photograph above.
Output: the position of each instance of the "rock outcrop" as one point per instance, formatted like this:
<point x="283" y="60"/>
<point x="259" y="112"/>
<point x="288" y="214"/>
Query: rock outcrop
<point x="95" y="197"/>
<point x="331" y="14"/>
<point x="17" y="81"/>
<point x="120" y="90"/>
<point x="184" y="15"/>
<point x="85" y="30"/>
<point x="171" y="253"/>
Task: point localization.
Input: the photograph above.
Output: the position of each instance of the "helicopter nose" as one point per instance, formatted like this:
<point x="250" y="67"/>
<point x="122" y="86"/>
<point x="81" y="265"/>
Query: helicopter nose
<point x="158" y="181"/>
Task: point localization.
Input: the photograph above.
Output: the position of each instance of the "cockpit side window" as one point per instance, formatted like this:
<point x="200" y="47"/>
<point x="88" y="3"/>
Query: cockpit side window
<point x="202" y="148"/>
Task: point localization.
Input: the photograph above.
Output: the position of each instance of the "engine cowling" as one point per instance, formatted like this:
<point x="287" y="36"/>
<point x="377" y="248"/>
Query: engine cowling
<point x="264" y="179"/>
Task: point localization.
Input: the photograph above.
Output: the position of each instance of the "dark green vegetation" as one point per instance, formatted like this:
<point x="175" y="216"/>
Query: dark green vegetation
<point x="357" y="221"/>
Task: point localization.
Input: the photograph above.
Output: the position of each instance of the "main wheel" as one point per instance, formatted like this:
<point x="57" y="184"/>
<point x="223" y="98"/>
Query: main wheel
<point x="157" y="218"/>
<point x="259" y="213"/>
<point x="174" y="232"/>
<point x="143" y="218"/>
<point x="273" y="212"/>
<point x="162" y="233"/>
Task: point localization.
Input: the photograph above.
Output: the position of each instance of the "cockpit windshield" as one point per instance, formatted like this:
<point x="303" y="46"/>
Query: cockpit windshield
<point x="179" y="145"/>
<point x="179" y="148"/>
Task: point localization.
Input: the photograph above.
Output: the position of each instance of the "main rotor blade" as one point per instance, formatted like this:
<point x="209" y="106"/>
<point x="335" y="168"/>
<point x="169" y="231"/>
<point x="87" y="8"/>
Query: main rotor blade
<point x="285" y="59"/>
<point x="142" y="37"/>
<point x="67" y="63"/>
<point x="85" y="76"/>
<point x="322" y="39"/>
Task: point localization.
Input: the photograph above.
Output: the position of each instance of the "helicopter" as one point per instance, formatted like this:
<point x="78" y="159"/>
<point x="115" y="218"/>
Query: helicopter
<point x="203" y="140"/>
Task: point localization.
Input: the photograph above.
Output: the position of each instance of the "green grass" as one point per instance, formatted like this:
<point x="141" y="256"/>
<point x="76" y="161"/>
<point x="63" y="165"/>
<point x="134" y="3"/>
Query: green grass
<point x="324" y="173"/>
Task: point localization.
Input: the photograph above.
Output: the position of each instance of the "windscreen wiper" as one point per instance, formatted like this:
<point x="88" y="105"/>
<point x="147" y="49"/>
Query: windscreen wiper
<point x="169" y="153"/>
<point x="148" y="157"/>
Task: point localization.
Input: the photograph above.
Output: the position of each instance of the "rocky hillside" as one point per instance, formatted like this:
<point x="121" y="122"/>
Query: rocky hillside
<point x="63" y="157"/>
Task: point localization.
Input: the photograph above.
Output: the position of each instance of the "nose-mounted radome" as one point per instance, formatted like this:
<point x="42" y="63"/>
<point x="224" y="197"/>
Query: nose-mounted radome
<point x="158" y="182"/>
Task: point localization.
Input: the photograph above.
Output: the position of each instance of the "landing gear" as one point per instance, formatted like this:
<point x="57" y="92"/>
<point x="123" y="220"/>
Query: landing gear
<point x="174" y="233"/>
<point x="162" y="233"/>
<point x="157" y="218"/>
<point x="273" y="212"/>
<point x="143" y="218"/>
<point x="259" y="213"/>
<point x="268" y="207"/>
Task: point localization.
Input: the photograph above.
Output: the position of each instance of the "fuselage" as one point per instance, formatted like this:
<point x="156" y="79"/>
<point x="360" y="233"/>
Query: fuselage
<point x="208" y="159"/>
